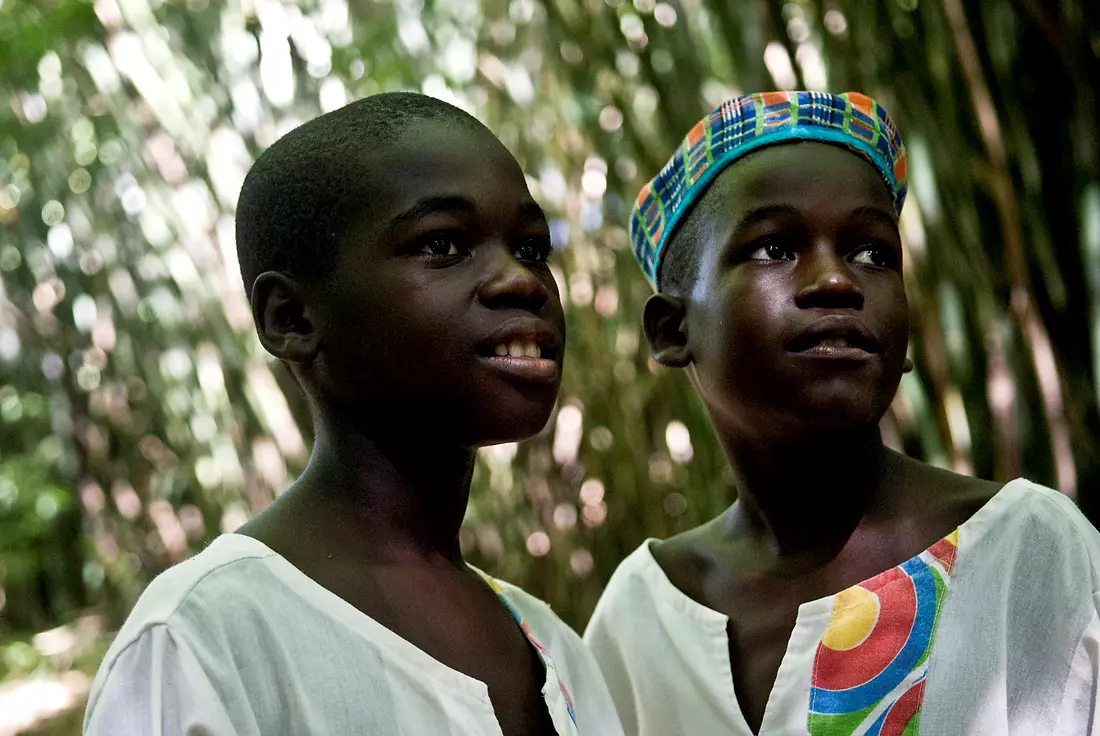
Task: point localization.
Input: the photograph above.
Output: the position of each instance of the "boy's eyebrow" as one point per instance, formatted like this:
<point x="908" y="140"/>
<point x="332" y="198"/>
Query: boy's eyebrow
<point x="767" y="212"/>
<point x="431" y="206"/>
<point x="878" y="214"/>
<point x="528" y="210"/>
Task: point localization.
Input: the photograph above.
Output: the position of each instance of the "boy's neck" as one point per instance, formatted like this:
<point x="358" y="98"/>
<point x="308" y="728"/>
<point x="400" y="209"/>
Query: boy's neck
<point x="808" y="495"/>
<point x="386" y="500"/>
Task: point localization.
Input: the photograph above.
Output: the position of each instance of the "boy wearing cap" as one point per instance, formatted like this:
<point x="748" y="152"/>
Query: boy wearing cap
<point x="848" y="589"/>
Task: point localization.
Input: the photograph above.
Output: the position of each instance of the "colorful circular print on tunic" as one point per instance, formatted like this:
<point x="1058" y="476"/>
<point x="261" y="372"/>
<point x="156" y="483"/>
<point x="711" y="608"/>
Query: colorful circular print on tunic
<point x="869" y="669"/>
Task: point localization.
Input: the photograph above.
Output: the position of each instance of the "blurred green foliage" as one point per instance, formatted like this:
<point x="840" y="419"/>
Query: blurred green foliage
<point x="139" y="417"/>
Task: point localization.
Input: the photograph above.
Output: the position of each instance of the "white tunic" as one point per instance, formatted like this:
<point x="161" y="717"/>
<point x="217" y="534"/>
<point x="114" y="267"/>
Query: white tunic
<point x="238" y="642"/>
<point x="992" y="631"/>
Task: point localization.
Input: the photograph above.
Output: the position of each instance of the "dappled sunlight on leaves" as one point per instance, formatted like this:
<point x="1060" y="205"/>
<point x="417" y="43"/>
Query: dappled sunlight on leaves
<point x="139" y="416"/>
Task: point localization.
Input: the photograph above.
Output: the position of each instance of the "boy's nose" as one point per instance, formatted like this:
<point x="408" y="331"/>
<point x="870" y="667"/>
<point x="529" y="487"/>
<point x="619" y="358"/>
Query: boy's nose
<point x="511" y="283"/>
<point x="826" y="281"/>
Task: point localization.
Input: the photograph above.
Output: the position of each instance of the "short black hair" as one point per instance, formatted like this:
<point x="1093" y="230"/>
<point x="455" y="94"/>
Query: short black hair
<point x="680" y="263"/>
<point x="300" y="196"/>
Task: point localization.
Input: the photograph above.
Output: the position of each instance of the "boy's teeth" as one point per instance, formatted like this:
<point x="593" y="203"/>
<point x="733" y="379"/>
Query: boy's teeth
<point x="834" y="342"/>
<point x="519" y="350"/>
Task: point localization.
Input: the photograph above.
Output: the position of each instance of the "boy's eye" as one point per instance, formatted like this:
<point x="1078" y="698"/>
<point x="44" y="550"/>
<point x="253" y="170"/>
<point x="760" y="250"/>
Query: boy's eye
<point x="874" y="255"/>
<point x="534" y="249"/>
<point x="772" y="251"/>
<point x="442" y="245"/>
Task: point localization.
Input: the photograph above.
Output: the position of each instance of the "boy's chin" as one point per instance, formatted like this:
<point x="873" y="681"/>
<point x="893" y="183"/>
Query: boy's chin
<point x="516" y="425"/>
<point x="821" y="418"/>
<point x="840" y="417"/>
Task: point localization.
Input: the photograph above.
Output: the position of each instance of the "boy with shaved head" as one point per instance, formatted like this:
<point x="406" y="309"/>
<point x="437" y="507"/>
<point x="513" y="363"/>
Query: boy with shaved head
<point x="396" y="262"/>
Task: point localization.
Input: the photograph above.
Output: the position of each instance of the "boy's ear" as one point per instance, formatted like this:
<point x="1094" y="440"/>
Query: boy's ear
<point x="666" y="330"/>
<point x="283" y="318"/>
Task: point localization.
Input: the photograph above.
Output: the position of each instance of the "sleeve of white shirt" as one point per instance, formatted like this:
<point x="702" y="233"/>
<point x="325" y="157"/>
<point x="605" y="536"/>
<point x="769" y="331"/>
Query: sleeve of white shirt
<point x="156" y="687"/>
<point x="1080" y="714"/>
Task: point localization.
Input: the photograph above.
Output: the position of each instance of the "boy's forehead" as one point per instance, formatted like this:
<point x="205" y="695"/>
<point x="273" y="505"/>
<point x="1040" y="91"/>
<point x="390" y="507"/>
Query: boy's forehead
<point x="783" y="172"/>
<point x="427" y="143"/>
<point x="433" y="161"/>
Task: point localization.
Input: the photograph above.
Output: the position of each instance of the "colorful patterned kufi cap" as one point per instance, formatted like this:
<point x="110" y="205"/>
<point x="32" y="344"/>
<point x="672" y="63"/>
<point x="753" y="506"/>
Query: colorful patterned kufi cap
<point x="748" y="123"/>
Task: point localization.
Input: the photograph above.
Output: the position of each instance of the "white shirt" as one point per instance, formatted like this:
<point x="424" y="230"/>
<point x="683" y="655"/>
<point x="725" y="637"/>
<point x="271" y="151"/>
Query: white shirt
<point x="1015" y="649"/>
<point x="237" y="641"/>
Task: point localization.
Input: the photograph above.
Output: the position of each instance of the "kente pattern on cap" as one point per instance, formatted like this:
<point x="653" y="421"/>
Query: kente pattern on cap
<point x="745" y="124"/>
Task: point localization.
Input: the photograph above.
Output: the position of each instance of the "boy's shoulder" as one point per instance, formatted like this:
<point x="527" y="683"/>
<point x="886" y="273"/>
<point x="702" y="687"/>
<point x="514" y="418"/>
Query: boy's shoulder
<point x="194" y="604"/>
<point x="210" y="582"/>
<point x="1029" y="514"/>
<point x="1031" y="538"/>
<point x="218" y="567"/>
<point x="640" y="582"/>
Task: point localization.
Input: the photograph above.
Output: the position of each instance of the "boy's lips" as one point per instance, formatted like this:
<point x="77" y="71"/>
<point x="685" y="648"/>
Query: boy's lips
<point x="529" y="349"/>
<point x="835" y="336"/>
